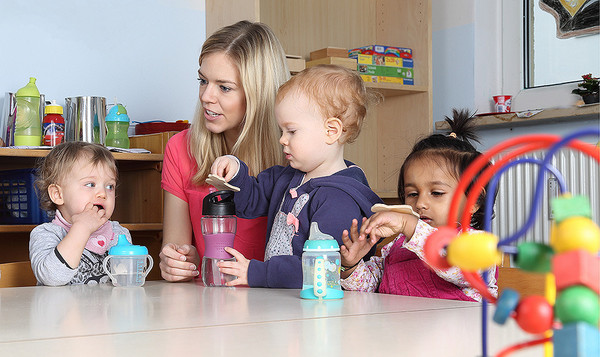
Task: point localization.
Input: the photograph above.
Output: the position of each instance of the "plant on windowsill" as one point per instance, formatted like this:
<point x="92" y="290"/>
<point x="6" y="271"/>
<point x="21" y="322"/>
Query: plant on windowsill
<point x="588" y="89"/>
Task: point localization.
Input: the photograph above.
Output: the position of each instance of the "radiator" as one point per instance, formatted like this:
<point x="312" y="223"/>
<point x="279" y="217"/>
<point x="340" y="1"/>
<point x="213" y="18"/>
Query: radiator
<point x="515" y="193"/>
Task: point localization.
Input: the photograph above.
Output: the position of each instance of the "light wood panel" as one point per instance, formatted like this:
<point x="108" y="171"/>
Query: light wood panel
<point x="525" y="283"/>
<point x="305" y="26"/>
<point x="155" y="143"/>
<point x="16" y="274"/>
<point x="226" y="12"/>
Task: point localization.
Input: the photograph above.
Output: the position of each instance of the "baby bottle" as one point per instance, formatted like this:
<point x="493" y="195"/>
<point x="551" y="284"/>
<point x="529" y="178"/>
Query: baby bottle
<point x="28" y="128"/>
<point x="117" y="124"/>
<point x="53" y="125"/>
<point x="128" y="263"/>
<point x="218" y="224"/>
<point x="321" y="263"/>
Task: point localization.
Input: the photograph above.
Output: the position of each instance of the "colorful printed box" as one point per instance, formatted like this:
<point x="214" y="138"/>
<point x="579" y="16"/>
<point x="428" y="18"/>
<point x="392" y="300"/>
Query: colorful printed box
<point x="382" y="79"/>
<point x="400" y="52"/>
<point x="380" y="60"/>
<point x="385" y="71"/>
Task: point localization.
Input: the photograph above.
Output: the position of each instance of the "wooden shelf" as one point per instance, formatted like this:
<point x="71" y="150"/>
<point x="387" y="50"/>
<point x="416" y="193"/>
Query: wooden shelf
<point x="25" y="153"/>
<point x="394" y="90"/>
<point x="133" y="227"/>
<point x="547" y="116"/>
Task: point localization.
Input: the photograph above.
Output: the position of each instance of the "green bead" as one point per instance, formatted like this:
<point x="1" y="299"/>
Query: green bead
<point x="577" y="303"/>
<point x="564" y="207"/>
<point x="534" y="257"/>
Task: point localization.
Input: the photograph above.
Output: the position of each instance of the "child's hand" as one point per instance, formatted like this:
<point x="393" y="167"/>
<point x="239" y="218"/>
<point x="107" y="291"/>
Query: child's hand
<point x="90" y="219"/>
<point x="225" y="166"/>
<point x="387" y="224"/>
<point x="355" y="246"/>
<point x="179" y="262"/>
<point x="238" y="268"/>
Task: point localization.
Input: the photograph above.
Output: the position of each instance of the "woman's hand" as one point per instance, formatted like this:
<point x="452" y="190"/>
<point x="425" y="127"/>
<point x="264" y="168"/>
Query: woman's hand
<point x="179" y="263"/>
<point x="356" y="246"/>
<point x="225" y="166"/>
<point x="238" y="268"/>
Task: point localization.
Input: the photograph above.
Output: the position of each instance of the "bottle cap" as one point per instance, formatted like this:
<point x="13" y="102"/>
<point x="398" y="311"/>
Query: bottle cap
<point x="123" y="247"/>
<point x="218" y="203"/>
<point x="30" y="89"/>
<point x="117" y="113"/>
<point x="319" y="241"/>
<point x="53" y="108"/>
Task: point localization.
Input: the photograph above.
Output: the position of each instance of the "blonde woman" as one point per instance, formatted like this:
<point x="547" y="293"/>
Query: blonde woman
<point x="241" y="68"/>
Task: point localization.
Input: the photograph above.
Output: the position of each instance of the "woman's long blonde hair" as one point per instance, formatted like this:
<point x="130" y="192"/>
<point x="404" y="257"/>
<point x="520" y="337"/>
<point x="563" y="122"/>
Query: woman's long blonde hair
<point x="260" y="59"/>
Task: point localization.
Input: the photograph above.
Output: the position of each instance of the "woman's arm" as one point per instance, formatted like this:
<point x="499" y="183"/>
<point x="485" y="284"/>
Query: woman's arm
<point x="179" y="259"/>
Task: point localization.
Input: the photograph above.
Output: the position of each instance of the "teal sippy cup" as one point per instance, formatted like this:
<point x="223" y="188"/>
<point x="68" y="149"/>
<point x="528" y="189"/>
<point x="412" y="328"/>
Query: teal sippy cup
<point x="321" y="264"/>
<point x="117" y="124"/>
<point x="128" y="266"/>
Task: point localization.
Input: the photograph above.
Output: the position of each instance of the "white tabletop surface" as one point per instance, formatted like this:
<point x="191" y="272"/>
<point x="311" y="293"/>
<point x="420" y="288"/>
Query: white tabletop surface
<point x="182" y="319"/>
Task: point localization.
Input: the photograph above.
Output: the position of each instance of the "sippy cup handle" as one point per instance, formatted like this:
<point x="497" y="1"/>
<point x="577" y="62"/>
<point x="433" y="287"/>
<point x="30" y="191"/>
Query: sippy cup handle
<point x="150" y="265"/>
<point x="106" y="270"/>
<point x="319" y="282"/>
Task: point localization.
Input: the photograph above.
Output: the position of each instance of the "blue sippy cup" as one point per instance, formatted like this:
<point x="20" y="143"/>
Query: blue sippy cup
<point x="128" y="266"/>
<point x="321" y="264"/>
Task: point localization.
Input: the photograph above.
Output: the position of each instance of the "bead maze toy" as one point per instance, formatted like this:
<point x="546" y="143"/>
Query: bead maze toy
<point x="566" y="319"/>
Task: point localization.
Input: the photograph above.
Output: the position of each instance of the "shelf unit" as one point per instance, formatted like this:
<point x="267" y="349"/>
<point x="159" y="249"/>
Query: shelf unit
<point x="139" y="205"/>
<point x="405" y="115"/>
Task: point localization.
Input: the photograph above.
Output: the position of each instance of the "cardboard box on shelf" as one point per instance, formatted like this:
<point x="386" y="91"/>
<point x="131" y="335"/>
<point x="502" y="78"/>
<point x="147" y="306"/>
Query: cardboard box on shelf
<point x="385" y="71"/>
<point x="344" y="62"/>
<point x="329" y="52"/>
<point x="295" y="63"/>
<point x="380" y="60"/>
<point x="382" y="79"/>
<point x="401" y="52"/>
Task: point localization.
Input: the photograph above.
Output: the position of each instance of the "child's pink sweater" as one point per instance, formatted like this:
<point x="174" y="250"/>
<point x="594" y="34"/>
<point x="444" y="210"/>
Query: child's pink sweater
<point x="402" y="270"/>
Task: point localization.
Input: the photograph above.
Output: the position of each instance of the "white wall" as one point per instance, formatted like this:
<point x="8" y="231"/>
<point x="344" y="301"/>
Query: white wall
<point x="144" y="52"/>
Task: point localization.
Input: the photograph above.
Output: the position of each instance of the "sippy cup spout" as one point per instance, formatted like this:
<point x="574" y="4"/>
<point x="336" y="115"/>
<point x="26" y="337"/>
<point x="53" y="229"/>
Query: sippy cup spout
<point x="122" y="240"/>
<point x="315" y="233"/>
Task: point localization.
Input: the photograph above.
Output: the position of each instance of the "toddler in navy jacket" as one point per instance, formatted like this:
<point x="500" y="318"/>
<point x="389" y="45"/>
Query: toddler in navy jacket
<point x="318" y="111"/>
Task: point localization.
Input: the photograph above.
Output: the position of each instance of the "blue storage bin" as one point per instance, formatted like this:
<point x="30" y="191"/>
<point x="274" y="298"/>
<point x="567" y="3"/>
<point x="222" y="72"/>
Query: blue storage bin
<point x="19" y="203"/>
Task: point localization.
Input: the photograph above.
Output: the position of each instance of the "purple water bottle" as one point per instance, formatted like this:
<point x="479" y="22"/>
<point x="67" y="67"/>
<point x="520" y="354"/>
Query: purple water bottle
<point x="218" y="228"/>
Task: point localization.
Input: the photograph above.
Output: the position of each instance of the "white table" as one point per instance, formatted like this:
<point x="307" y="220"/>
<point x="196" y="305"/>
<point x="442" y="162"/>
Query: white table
<point x="188" y="319"/>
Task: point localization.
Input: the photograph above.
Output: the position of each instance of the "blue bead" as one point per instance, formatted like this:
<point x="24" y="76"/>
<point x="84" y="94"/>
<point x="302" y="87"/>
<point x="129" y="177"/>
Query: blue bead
<point x="506" y="304"/>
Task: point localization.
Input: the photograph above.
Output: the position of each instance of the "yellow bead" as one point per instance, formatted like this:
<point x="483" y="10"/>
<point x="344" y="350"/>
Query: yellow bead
<point x="550" y="288"/>
<point x="576" y="233"/>
<point x="472" y="251"/>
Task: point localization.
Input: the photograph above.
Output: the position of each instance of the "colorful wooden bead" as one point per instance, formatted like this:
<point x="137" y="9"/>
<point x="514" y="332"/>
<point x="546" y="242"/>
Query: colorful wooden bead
<point x="576" y="233"/>
<point x="474" y="250"/>
<point x="570" y="206"/>
<point x="435" y="245"/>
<point x="550" y="288"/>
<point x="578" y="339"/>
<point x="534" y="257"/>
<point x="577" y="267"/>
<point x="577" y="303"/>
<point x="534" y="314"/>
<point x="506" y="304"/>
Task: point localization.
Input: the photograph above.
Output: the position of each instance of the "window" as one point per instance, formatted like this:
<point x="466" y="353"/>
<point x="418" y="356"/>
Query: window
<point x="561" y="41"/>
